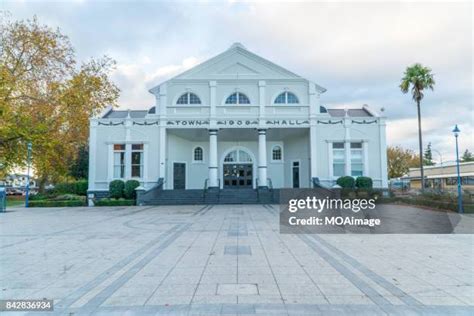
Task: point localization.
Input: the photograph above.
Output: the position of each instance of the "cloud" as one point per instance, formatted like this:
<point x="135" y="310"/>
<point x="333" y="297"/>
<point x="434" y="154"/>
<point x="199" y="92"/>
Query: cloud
<point x="358" y="51"/>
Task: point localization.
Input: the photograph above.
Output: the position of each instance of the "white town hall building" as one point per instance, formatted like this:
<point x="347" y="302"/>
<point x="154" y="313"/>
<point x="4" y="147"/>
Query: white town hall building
<point x="236" y="121"/>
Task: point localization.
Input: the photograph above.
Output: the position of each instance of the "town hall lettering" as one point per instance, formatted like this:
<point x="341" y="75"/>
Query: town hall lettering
<point x="287" y="122"/>
<point x="188" y="122"/>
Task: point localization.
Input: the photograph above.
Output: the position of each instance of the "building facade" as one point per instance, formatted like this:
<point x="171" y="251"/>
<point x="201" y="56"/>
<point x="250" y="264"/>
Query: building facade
<point x="237" y="121"/>
<point x="443" y="176"/>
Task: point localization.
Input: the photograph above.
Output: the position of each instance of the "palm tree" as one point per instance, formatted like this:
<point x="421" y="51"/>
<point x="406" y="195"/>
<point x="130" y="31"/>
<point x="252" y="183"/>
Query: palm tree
<point x="418" y="78"/>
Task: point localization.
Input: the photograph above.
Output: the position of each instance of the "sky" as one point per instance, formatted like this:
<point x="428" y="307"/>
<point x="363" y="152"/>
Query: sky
<point x="358" y="51"/>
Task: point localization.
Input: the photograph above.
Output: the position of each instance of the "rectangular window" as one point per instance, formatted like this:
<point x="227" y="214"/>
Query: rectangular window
<point x="357" y="165"/>
<point x="137" y="160"/>
<point x="338" y="159"/>
<point x="119" y="161"/>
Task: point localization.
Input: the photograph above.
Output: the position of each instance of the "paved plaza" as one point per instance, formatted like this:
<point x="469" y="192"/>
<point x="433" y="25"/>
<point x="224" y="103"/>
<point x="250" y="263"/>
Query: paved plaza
<point x="224" y="259"/>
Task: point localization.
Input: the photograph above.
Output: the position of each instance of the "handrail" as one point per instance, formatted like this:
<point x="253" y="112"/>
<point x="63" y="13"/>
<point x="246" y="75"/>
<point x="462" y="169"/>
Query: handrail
<point x="159" y="184"/>
<point x="206" y="187"/>
<point x="319" y="185"/>
<point x="204" y="190"/>
<point x="270" y="184"/>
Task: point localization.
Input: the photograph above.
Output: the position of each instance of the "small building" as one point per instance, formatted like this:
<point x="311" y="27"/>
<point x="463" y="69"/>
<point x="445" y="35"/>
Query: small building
<point x="443" y="177"/>
<point x="237" y="121"/>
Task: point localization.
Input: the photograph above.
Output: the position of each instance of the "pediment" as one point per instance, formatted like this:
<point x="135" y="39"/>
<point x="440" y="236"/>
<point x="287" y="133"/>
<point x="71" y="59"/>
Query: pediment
<point x="237" y="62"/>
<point x="238" y="69"/>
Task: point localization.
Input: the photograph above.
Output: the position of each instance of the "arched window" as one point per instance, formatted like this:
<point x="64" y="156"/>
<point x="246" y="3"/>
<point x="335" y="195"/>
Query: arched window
<point x="237" y="98"/>
<point x="238" y="156"/>
<point x="286" y="98"/>
<point x="277" y="153"/>
<point x="188" y="98"/>
<point x="198" y="154"/>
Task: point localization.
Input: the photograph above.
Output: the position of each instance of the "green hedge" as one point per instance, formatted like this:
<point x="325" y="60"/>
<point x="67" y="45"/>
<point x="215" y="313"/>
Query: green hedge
<point x="52" y="203"/>
<point x="129" y="191"/>
<point x="346" y="182"/>
<point x="364" y="183"/>
<point x="113" y="202"/>
<point x="77" y="187"/>
<point x="116" y="188"/>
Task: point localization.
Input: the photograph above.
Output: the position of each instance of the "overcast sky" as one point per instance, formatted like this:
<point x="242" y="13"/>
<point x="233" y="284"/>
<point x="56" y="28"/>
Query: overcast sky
<point x="358" y="51"/>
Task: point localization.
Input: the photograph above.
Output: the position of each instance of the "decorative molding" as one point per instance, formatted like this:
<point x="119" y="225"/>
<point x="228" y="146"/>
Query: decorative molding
<point x="111" y="123"/>
<point x="330" y="122"/>
<point x="146" y="123"/>
<point x="364" y="122"/>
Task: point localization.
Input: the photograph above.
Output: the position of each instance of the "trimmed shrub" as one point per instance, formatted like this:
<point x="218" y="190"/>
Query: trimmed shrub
<point x="80" y="187"/>
<point x="116" y="189"/>
<point x="346" y="182"/>
<point x="54" y="203"/>
<point x="110" y="202"/>
<point x="130" y="187"/>
<point x="364" y="183"/>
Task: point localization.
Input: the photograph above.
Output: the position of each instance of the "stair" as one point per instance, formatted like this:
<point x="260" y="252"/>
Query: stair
<point x="177" y="197"/>
<point x="238" y="196"/>
<point x="225" y="196"/>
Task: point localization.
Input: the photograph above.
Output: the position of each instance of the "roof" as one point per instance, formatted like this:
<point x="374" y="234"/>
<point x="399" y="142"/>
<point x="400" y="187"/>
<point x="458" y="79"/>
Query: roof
<point x="123" y="114"/>
<point x="351" y="112"/>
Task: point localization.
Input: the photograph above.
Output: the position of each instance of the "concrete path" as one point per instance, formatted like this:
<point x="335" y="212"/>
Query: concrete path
<point x="208" y="260"/>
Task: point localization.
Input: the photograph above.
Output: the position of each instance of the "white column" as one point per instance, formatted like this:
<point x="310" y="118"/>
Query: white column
<point x="92" y="152"/>
<point x="261" y="98"/>
<point x="110" y="162"/>
<point x="213" y="176"/>
<point x="128" y="147"/>
<point x="212" y="99"/>
<point x="347" y="145"/>
<point x="145" y="164"/>
<point x="313" y="101"/>
<point x="330" y="165"/>
<point x="162" y="153"/>
<point x="383" y="153"/>
<point x="365" y="152"/>
<point x="262" y="158"/>
<point x="313" y="152"/>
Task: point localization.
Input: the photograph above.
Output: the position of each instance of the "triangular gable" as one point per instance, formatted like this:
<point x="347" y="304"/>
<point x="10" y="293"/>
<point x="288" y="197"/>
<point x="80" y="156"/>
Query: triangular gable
<point x="248" y="62"/>
<point x="237" y="69"/>
<point x="236" y="63"/>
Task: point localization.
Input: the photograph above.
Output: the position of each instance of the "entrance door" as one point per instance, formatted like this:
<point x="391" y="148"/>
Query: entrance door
<point x="295" y="170"/>
<point x="179" y="175"/>
<point x="238" y="176"/>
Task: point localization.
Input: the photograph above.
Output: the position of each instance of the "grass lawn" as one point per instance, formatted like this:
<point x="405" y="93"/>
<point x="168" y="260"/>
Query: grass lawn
<point x="16" y="201"/>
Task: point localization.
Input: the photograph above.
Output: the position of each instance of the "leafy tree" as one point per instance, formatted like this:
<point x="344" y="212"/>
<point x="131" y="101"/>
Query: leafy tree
<point x="418" y="78"/>
<point x="400" y="160"/>
<point x="79" y="168"/>
<point x="467" y="156"/>
<point x="428" y="156"/>
<point x="45" y="98"/>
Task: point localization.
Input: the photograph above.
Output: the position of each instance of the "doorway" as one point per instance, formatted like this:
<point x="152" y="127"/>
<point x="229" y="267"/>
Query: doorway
<point x="238" y="176"/>
<point x="295" y="173"/>
<point x="179" y="175"/>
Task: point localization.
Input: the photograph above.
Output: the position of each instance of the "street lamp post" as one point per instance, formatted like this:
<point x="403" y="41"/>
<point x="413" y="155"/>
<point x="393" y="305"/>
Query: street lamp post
<point x="28" y="175"/>
<point x="456" y="132"/>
